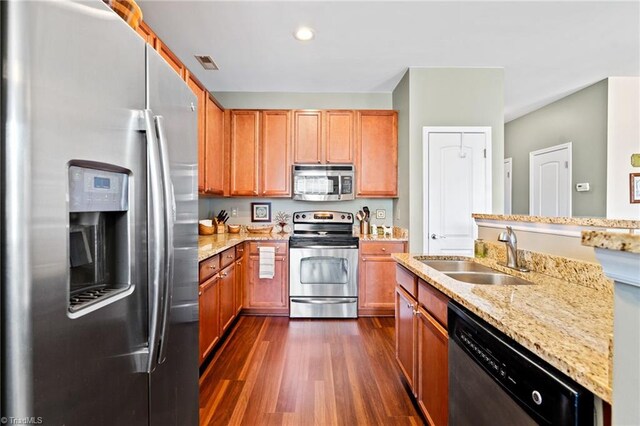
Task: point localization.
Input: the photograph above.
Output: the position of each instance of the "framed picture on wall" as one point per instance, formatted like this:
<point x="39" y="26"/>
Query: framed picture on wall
<point x="634" y="187"/>
<point x="260" y="212"/>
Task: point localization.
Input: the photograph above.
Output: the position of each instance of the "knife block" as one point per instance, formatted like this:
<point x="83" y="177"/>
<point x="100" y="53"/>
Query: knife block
<point x="218" y="227"/>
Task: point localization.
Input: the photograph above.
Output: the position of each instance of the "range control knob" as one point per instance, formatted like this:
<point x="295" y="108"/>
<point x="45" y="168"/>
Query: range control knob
<point x="342" y="216"/>
<point x="304" y="216"/>
<point x="349" y="217"/>
<point x="297" y="216"/>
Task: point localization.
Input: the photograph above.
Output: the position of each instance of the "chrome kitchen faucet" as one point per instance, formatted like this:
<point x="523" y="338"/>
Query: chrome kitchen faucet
<point x="509" y="238"/>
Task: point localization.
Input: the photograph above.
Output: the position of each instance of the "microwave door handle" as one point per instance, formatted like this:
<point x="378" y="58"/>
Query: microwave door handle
<point x="156" y="238"/>
<point x="169" y="222"/>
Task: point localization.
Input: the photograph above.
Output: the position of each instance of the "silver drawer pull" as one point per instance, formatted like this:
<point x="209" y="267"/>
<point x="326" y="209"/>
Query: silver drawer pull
<point x="323" y="301"/>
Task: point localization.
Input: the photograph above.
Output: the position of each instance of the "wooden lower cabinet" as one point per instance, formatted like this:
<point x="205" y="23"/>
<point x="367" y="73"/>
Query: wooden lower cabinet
<point x="433" y="369"/>
<point x="209" y="298"/>
<point x="406" y="329"/>
<point x="422" y="352"/>
<point x="227" y="300"/>
<point x="377" y="277"/>
<point x="264" y="295"/>
<point x="240" y="274"/>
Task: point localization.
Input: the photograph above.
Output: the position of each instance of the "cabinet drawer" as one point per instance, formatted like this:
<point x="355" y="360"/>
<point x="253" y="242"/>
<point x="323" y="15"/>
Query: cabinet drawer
<point x="379" y="248"/>
<point x="227" y="257"/>
<point x="433" y="301"/>
<point x="407" y="280"/>
<point x="281" y="247"/>
<point x="239" y="251"/>
<point x="209" y="267"/>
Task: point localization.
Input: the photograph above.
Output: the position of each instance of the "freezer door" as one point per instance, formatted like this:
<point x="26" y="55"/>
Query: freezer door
<point x="74" y="86"/>
<point x="174" y="382"/>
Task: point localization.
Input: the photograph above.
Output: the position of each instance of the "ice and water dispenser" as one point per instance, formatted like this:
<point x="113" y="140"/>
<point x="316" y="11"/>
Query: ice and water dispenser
<point x="99" y="236"/>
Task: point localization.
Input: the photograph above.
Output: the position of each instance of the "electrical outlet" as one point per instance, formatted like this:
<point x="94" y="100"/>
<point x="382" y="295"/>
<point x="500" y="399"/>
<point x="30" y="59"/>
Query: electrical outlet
<point x="381" y="214"/>
<point x="234" y="211"/>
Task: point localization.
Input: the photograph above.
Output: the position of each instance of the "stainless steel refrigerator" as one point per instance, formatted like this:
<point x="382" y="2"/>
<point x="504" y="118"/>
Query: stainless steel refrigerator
<point x="99" y="293"/>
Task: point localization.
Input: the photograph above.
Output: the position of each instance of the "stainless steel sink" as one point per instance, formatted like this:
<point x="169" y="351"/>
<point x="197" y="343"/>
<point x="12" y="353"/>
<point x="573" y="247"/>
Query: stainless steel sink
<point x="457" y="266"/>
<point x="487" y="278"/>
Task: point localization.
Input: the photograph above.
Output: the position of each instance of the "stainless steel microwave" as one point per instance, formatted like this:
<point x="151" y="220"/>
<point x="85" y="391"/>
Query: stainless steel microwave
<point x="317" y="182"/>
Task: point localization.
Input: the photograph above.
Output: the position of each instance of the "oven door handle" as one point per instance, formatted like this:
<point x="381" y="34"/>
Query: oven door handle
<point x="324" y="301"/>
<point x="325" y="247"/>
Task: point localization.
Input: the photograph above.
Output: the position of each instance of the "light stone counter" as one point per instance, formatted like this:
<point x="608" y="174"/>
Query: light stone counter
<point x="568" y="325"/>
<point x="210" y="245"/>
<point x="575" y="221"/>
<point x="612" y="241"/>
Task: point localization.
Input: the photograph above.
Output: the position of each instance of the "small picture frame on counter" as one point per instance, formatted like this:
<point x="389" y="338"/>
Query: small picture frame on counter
<point x="261" y="212"/>
<point x="634" y="188"/>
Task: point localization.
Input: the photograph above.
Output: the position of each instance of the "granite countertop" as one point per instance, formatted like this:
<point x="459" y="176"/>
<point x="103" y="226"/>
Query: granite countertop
<point x="568" y="325"/>
<point x="210" y="245"/>
<point x="612" y="240"/>
<point x="576" y="221"/>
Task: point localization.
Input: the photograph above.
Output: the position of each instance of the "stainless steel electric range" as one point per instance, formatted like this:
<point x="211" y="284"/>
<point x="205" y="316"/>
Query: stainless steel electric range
<point x="323" y="268"/>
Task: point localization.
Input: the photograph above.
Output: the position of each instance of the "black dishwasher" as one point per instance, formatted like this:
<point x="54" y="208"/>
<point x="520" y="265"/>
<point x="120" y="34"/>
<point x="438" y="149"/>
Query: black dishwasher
<point x="495" y="381"/>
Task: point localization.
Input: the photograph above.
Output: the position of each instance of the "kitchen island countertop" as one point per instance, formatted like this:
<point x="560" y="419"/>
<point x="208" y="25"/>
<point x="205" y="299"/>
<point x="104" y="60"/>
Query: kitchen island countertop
<point x="568" y="325"/>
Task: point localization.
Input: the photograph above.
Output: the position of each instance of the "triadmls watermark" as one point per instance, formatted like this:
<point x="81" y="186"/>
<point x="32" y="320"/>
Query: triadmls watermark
<point x="21" y="420"/>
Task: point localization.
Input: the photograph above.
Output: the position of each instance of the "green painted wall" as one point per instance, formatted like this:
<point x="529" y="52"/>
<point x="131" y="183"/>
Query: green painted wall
<point x="450" y="97"/>
<point x="401" y="98"/>
<point x="283" y="100"/>
<point x="580" y="118"/>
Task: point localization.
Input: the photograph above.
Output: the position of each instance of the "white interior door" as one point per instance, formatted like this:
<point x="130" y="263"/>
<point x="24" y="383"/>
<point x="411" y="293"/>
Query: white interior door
<point x="550" y="181"/>
<point x="508" y="184"/>
<point x="459" y="184"/>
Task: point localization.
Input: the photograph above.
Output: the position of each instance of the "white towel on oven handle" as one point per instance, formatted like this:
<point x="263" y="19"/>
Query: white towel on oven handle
<point x="267" y="262"/>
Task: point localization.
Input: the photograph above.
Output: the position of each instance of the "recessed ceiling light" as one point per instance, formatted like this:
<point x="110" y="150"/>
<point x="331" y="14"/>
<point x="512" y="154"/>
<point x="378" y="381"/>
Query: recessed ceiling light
<point x="304" y="34"/>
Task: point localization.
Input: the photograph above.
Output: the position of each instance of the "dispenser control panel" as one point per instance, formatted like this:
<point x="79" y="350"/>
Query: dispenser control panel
<point x="92" y="190"/>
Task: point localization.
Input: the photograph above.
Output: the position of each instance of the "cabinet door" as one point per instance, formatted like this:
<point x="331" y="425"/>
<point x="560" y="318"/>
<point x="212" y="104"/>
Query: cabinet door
<point x="209" y="318"/>
<point x="146" y="33"/>
<point x="227" y="301"/>
<point x="276" y="154"/>
<point x="214" y="148"/>
<point x="433" y="369"/>
<point x="267" y="294"/>
<point x="170" y="57"/>
<point x="376" y="285"/>
<point x="244" y="152"/>
<point x="307" y="136"/>
<point x="340" y="140"/>
<point x="239" y="286"/>
<point x="406" y="343"/>
<point x="201" y="94"/>
<point x="377" y="154"/>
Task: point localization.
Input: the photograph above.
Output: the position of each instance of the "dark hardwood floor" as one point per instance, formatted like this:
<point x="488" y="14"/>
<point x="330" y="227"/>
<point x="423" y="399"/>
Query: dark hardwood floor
<point x="276" y="371"/>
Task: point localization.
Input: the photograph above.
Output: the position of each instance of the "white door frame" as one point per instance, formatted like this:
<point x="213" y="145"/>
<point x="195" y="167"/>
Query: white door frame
<point x="425" y="172"/>
<point x="509" y="161"/>
<point x="569" y="147"/>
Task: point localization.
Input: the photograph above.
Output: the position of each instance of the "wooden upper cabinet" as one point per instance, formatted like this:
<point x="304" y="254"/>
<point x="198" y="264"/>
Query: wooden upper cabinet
<point x="214" y="148"/>
<point x="244" y="152"/>
<point x="201" y="94"/>
<point x="146" y="33"/>
<point x="275" y="170"/>
<point x="340" y="139"/>
<point x="307" y="136"/>
<point x="377" y="154"/>
<point x="170" y="57"/>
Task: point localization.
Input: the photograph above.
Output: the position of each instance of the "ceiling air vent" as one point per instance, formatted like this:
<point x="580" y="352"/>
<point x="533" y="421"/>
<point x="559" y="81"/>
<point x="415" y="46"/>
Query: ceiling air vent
<point x="207" y="62"/>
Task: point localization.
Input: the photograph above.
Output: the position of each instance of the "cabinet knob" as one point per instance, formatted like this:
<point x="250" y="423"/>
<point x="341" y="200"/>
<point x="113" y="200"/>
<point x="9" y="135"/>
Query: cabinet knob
<point x="416" y="313"/>
<point x="224" y="274"/>
<point x="229" y="256"/>
<point x="199" y="293"/>
<point x="410" y="306"/>
<point x="212" y="267"/>
<point x="384" y="249"/>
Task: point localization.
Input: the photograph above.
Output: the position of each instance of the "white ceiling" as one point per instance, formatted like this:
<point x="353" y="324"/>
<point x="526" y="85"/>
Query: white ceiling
<point x="548" y="49"/>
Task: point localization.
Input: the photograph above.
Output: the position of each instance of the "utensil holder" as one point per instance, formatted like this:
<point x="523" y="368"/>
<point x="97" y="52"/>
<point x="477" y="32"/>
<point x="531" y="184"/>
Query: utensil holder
<point x="364" y="227"/>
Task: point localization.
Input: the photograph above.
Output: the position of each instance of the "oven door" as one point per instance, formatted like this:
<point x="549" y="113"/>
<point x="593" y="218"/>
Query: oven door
<point x="323" y="272"/>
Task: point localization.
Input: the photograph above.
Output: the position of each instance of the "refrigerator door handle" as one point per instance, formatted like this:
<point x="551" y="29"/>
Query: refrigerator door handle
<point x="157" y="240"/>
<point x="169" y="221"/>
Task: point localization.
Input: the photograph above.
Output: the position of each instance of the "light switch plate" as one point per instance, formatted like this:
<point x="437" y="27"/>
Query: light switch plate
<point x="381" y="214"/>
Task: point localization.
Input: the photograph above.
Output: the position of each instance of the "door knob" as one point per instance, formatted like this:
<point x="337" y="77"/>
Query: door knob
<point x="436" y="237"/>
